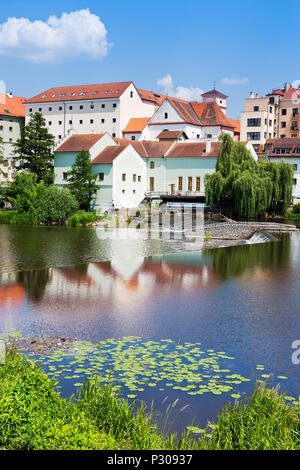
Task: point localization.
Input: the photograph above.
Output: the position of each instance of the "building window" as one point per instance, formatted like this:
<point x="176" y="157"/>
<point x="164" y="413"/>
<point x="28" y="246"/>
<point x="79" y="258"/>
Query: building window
<point x="60" y="108"/>
<point x="198" y="136"/>
<point x="253" y="135"/>
<point x="256" y="108"/>
<point x="190" y="183"/>
<point x="80" y="121"/>
<point x="295" y="167"/>
<point x="30" y="110"/>
<point x="295" y="112"/>
<point x="81" y="107"/>
<point x="113" y="134"/>
<point x="65" y="176"/>
<point x="70" y="122"/>
<point x="152" y="165"/>
<point x="271" y="109"/>
<point x="133" y="137"/>
<point x="103" y="106"/>
<point x="92" y="106"/>
<point x="49" y="123"/>
<point x="139" y="179"/>
<point x="60" y="123"/>
<point x="166" y="115"/>
<point x="114" y="105"/>
<point x="91" y="121"/>
<point x="151" y="181"/>
<point x="198" y="183"/>
<point x="134" y="178"/>
<point x="50" y="109"/>
<point x="114" y="120"/>
<point x="209" y="136"/>
<point x="59" y="137"/>
<point x="124" y="177"/>
<point x="283" y="124"/>
<point x="179" y="183"/>
<point x="294" y="181"/>
<point x="123" y="191"/>
<point x="101" y="176"/>
<point x="133" y="191"/>
<point x="70" y="107"/>
<point x="102" y="121"/>
<point x="283" y="112"/>
<point x="254" y="122"/>
<point x="10" y="129"/>
<point x="131" y="94"/>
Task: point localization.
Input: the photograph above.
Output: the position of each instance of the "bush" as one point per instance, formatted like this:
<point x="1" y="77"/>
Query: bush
<point x="55" y="205"/>
<point x="83" y="218"/>
<point x="15" y="217"/>
<point x="296" y="209"/>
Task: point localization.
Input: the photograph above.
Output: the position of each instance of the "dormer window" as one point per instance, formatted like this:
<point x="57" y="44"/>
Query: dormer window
<point x="62" y="95"/>
<point x="83" y="93"/>
<point x="73" y="94"/>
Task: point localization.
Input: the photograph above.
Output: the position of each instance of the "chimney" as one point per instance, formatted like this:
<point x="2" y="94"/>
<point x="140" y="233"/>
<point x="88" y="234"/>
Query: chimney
<point x="251" y="95"/>
<point x="287" y="86"/>
<point x="208" y="146"/>
<point x="257" y="95"/>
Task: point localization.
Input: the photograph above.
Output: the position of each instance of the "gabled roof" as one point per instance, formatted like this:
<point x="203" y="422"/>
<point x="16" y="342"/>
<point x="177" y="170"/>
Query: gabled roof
<point x="136" y="144"/>
<point x="13" y="106"/>
<point x="156" y="149"/>
<point x="109" y="154"/>
<point x="286" y="95"/>
<point x="81" y="92"/>
<point x="210" y="114"/>
<point x="185" y="110"/>
<point x="193" y="149"/>
<point x="136" y="125"/>
<point x="171" y="134"/>
<point x="213" y="93"/>
<point x="78" y="142"/>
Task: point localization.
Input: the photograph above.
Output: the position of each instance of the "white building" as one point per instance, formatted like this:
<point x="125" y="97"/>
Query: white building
<point x="92" y="109"/>
<point x="12" y="119"/>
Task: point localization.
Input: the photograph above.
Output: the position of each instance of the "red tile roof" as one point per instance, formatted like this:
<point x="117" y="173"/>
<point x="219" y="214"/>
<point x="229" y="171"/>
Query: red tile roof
<point x="156" y="98"/>
<point x="185" y="110"/>
<point x="12" y="106"/>
<point x="170" y="134"/>
<point x="81" y="92"/>
<point x="193" y="149"/>
<point x="136" y="125"/>
<point x="136" y="144"/>
<point x="156" y="149"/>
<point x="109" y="154"/>
<point x="210" y="114"/>
<point x="78" y="142"/>
<point x="236" y="124"/>
<point x="286" y="95"/>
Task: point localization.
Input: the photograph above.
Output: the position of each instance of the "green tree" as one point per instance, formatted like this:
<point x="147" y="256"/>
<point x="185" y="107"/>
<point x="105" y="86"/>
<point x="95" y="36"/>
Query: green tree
<point x="24" y="193"/>
<point x="82" y="183"/>
<point x="35" y="149"/>
<point x="251" y="187"/>
<point x="56" y="205"/>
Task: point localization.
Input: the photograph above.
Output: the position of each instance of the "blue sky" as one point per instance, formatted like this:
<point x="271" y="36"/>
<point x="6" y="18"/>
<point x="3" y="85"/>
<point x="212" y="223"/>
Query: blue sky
<point x="254" y="44"/>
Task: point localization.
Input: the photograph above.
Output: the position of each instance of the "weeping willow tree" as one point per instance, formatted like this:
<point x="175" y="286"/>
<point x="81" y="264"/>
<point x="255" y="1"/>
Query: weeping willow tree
<point x="250" y="187"/>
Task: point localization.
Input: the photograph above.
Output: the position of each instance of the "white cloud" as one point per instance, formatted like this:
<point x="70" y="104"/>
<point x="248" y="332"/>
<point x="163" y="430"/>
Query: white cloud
<point x="74" y="34"/>
<point x="235" y="81"/>
<point x="185" y="93"/>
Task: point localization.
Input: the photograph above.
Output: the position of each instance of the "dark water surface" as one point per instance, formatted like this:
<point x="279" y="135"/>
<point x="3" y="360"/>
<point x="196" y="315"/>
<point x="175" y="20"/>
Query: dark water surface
<point x="237" y="304"/>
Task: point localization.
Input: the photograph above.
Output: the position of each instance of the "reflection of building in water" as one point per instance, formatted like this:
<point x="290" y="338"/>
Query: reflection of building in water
<point x="11" y="291"/>
<point x="126" y="280"/>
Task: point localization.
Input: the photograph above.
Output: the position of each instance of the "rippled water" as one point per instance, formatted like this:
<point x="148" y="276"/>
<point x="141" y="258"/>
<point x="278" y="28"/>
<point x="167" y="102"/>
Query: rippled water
<point x="242" y="300"/>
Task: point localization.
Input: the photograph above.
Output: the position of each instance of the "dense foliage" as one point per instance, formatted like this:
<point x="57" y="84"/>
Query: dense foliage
<point x="83" y="218"/>
<point x="33" y="416"/>
<point x="35" y="202"/>
<point x="35" y="149"/>
<point x="82" y="183"/>
<point x="251" y="187"/>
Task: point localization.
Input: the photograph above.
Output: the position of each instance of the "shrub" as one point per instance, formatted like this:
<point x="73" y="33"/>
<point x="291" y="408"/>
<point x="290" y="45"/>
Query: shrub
<point x="83" y="218"/>
<point x="15" y="217"/>
<point x="55" y="205"/>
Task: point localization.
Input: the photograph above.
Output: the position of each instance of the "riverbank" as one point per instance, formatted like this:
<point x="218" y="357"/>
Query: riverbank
<point x="34" y="417"/>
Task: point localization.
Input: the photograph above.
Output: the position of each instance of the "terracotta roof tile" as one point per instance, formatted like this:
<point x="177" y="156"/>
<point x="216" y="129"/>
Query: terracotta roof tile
<point x="213" y="93"/>
<point x="12" y="106"/>
<point x="210" y="114"/>
<point x="78" y="142"/>
<point x="193" y="149"/>
<point x="291" y="143"/>
<point x="109" y="154"/>
<point x="136" y="125"/>
<point x="185" y="110"/>
<point x="170" y="134"/>
<point x="156" y="98"/>
<point x="156" y="149"/>
<point x="81" y="92"/>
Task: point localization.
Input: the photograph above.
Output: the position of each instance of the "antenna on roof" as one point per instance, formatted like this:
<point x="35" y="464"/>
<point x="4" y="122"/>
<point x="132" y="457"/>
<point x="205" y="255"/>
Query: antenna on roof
<point x="214" y="87"/>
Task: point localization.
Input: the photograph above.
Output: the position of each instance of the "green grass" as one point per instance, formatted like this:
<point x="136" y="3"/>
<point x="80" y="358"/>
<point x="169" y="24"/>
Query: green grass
<point x="34" y="416"/>
<point x="83" y="218"/>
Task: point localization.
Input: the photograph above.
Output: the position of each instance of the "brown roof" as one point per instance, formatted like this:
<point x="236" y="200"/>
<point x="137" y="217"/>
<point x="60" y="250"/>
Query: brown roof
<point x="156" y="149"/>
<point x="136" y="125"/>
<point x="286" y="95"/>
<point x="109" y="154"/>
<point x="136" y="144"/>
<point x="236" y="124"/>
<point x="185" y="110"/>
<point x="78" y="142"/>
<point x="12" y="106"/>
<point x="213" y="93"/>
<point x="193" y="149"/>
<point x="170" y="134"/>
<point x="291" y="143"/>
<point x="81" y="92"/>
<point x="210" y="114"/>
